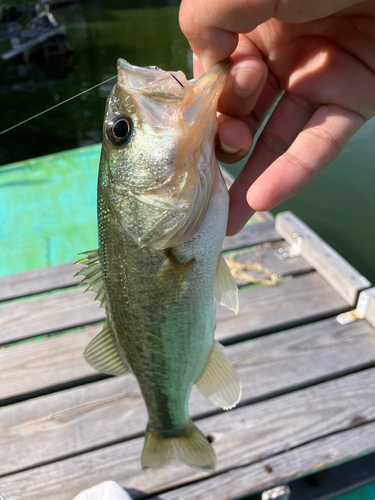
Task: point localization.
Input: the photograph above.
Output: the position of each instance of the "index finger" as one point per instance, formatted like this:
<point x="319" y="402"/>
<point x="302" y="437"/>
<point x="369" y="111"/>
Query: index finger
<point x="212" y="26"/>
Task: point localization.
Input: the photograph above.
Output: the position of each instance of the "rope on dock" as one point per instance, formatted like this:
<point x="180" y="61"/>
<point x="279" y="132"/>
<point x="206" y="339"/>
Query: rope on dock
<point x="241" y="271"/>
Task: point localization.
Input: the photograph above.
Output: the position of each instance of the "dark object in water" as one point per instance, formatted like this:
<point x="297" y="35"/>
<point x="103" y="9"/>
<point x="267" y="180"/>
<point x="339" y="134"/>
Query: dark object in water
<point x="42" y="33"/>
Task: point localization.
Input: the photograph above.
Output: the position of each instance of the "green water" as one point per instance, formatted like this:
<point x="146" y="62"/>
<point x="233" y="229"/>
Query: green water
<point x="339" y="204"/>
<point x="99" y="32"/>
<point x="366" y="493"/>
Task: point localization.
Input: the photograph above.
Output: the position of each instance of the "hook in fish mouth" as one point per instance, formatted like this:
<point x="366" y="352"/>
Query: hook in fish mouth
<point x="178" y="81"/>
<point x="156" y="68"/>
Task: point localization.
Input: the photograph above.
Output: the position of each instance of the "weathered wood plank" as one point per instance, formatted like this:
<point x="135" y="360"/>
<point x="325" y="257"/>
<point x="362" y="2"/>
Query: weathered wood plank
<point x="89" y="416"/>
<point x="47" y="362"/>
<point x="268" y="364"/>
<point x="253" y="234"/>
<point x="24" y="368"/>
<point x="38" y="281"/>
<point x="240" y="437"/>
<point x="366" y="305"/>
<point x="301" y="299"/>
<point x="48" y="313"/>
<point x="290" y="465"/>
<point x="346" y="280"/>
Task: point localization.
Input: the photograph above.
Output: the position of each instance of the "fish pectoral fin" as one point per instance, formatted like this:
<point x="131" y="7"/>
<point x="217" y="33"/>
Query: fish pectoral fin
<point x="188" y="446"/>
<point x="102" y="354"/>
<point x="220" y="382"/>
<point x="226" y="291"/>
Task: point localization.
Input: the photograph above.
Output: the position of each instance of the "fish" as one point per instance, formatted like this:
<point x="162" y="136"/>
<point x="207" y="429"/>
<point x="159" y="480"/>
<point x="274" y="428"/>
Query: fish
<point x="158" y="272"/>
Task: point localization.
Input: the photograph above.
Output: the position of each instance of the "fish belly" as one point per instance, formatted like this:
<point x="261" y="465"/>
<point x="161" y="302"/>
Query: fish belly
<point x="161" y="308"/>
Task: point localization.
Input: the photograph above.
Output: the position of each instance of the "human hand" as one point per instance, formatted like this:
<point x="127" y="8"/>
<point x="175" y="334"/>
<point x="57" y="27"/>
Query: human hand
<point x="322" y="54"/>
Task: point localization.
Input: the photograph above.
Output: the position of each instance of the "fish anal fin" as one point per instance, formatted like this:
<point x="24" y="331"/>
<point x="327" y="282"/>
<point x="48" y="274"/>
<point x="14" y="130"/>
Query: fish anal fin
<point x="220" y="382"/>
<point x="188" y="446"/>
<point x="102" y="355"/>
<point x="226" y="290"/>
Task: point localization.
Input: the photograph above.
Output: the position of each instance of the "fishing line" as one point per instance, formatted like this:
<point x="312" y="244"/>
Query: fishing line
<point x="56" y="106"/>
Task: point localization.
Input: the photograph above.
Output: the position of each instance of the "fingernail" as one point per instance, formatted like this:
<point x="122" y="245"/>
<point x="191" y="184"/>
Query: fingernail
<point x="246" y="81"/>
<point x="228" y="149"/>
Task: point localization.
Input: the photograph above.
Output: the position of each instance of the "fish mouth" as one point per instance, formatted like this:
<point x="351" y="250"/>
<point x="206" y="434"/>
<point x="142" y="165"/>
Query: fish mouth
<point x="156" y="83"/>
<point x="171" y="85"/>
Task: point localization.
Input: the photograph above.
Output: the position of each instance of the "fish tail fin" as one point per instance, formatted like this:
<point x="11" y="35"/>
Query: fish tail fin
<point x="188" y="446"/>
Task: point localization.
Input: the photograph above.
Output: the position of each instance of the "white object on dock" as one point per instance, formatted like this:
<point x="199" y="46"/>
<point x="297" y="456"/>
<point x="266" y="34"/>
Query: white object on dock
<point x="109" y="490"/>
<point x="279" y="493"/>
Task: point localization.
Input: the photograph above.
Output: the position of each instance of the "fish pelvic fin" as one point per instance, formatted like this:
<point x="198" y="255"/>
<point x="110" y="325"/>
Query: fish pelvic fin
<point x="102" y="354"/>
<point x="92" y="275"/>
<point x="226" y="291"/>
<point x="188" y="446"/>
<point x="220" y="382"/>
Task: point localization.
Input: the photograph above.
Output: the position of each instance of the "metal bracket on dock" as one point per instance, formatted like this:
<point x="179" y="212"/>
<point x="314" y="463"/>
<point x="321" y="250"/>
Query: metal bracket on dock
<point x="295" y="248"/>
<point x="279" y="493"/>
<point x="365" y="309"/>
<point x="364" y="300"/>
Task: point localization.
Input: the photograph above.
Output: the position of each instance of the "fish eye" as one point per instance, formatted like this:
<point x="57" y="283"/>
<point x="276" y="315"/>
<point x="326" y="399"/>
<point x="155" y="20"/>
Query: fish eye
<point x="119" y="130"/>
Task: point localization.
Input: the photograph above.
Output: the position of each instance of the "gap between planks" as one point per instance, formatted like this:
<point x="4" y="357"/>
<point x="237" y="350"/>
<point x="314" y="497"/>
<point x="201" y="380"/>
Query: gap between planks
<point x="266" y="256"/>
<point x="339" y="480"/>
<point x="287" y="466"/>
<point x="302" y="299"/>
<point x="299" y="355"/>
<point x="78" y="419"/>
<point x="241" y="437"/>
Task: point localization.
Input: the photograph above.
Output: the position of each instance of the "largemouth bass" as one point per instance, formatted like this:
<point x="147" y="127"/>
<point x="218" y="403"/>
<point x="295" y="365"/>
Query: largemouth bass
<point x="162" y="215"/>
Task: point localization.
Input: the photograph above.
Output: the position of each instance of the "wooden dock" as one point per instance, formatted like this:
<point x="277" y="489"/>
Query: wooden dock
<point x="308" y="380"/>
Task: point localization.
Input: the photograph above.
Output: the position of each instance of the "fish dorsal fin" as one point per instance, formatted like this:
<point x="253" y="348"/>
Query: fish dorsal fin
<point x="102" y="354"/>
<point x="92" y="275"/>
<point x="226" y="290"/>
<point x="220" y="382"/>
